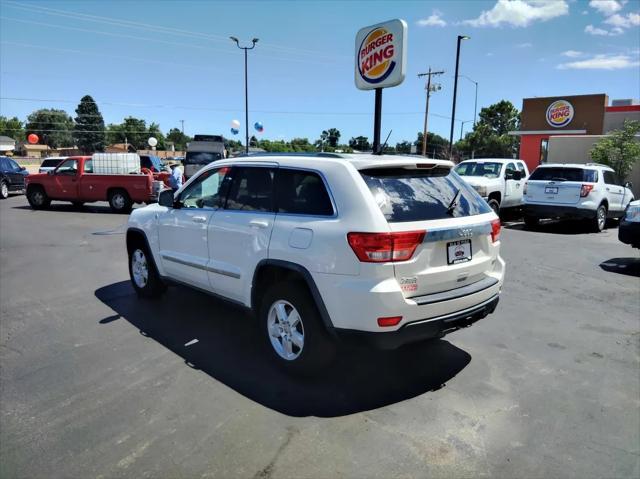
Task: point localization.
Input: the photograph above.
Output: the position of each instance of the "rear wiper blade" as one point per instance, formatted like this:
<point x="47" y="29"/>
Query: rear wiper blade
<point x="453" y="203"/>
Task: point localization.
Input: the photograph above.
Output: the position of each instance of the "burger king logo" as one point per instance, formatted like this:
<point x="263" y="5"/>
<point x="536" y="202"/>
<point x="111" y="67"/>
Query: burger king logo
<point x="559" y="113"/>
<point x="375" y="57"/>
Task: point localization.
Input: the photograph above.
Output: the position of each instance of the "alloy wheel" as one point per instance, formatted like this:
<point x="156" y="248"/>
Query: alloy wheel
<point x="286" y="330"/>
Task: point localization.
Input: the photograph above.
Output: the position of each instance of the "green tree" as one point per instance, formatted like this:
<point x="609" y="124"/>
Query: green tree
<point x="301" y="144"/>
<point x="89" y="130"/>
<point x="490" y="137"/>
<point x="620" y="149"/>
<point x="132" y="131"/>
<point x="12" y="127"/>
<point x="360" y="143"/>
<point x="437" y="146"/>
<point x="403" y="147"/>
<point x="329" y="138"/>
<point x="54" y="127"/>
<point x="180" y="140"/>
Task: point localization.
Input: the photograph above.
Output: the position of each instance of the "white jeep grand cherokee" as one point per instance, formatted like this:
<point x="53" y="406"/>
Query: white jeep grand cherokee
<point x="325" y="247"/>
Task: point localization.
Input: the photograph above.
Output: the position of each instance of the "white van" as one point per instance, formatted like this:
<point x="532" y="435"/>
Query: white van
<point x="203" y="150"/>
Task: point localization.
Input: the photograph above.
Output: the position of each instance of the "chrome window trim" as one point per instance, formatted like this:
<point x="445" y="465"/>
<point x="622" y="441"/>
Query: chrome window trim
<point x="448" y="233"/>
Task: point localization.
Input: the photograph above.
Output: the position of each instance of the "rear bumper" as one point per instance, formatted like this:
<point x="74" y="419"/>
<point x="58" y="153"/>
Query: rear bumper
<point x="629" y="233"/>
<point x="423" y="329"/>
<point x="552" y="211"/>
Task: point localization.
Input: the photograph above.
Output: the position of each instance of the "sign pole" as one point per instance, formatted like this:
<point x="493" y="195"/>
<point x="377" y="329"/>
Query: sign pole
<point x="377" y="121"/>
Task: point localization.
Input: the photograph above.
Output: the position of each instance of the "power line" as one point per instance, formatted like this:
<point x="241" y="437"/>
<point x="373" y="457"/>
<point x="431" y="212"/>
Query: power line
<point x="228" y="110"/>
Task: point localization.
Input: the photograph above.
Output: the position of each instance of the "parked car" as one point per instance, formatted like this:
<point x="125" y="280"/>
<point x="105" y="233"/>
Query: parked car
<point x="12" y="177"/>
<point x="499" y="181"/>
<point x="74" y="180"/>
<point x="590" y="192"/>
<point x="629" y="229"/>
<point x="383" y="249"/>
<point x="49" y="164"/>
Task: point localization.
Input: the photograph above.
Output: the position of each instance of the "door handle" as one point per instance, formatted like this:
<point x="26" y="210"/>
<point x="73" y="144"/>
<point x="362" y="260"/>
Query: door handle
<point x="259" y="224"/>
<point x="199" y="219"/>
<point x="608" y="189"/>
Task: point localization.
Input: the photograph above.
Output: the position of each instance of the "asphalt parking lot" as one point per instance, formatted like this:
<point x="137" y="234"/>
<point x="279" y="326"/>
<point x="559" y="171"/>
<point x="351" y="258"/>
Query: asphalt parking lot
<point x="96" y="383"/>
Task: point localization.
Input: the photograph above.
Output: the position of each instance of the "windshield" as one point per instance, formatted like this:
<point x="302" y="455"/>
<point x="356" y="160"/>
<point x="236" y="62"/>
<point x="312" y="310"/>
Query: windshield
<point x="472" y="168"/>
<point x="201" y="157"/>
<point x="564" y="174"/>
<point x="417" y="195"/>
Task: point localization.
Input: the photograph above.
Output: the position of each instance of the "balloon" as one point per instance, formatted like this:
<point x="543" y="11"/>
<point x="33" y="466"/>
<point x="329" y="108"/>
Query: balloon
<point x="152" y="141"/>
<point x="258" y="126"/>
<point x="235" y="124"/>
<point x="33" y="138"/>
<point x="260" y="130"/>
<point x="234" y="131"/>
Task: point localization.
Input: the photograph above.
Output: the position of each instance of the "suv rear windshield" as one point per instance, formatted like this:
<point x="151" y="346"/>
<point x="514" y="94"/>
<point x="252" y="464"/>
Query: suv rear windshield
<point x="418" y="195"/>
<point x="552" y="173"/>
<point x="201" y="157"/>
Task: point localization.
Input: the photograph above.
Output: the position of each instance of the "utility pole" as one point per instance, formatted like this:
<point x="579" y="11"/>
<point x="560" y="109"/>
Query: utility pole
<point x="429" y="88"/>
<point x="182" y="122"/>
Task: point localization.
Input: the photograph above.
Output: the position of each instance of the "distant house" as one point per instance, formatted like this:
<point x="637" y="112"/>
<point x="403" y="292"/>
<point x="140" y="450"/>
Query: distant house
<point x="33" y="151"/>
<point x="7" y="144"/>
<point x="120" y="148"/>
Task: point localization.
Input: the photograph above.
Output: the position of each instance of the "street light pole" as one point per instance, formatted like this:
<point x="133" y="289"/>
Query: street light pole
<point x="462" y="126"/>
<point x="475" y="103"/>
<point x="246" y="89"/>
<point x="455" y="91"/>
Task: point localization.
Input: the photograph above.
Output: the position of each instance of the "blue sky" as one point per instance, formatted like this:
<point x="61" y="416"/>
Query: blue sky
<point x="168" y="61"/>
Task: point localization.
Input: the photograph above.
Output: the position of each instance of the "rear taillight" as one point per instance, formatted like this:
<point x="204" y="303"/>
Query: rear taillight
<point x="585" y="190"/>
<point x="385" y="247"/>
<point x="495" y="230"/>
<point x="389" y="321"/>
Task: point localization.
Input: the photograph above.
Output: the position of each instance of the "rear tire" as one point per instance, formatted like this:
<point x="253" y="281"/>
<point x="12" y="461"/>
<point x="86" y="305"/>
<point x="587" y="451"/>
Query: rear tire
<point x="120" y="202"/>
<point x="600" y="220"/>
<point x="37" y="198"/>
<point x="293" y="331"/>
<point x="143" y="273"/>
<point x="495" y="206"/>
<point x="4" y="190"/>
<point x="531" y="222"/>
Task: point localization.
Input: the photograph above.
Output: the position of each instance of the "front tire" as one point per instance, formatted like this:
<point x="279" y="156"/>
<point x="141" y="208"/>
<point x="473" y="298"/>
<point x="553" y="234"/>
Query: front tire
<point x="120" y="202"/>
<point x="143" y="273"/>
<point x="37" y="198"/>
<point x="495" y="206"/>
<point x="4" y="190"/>
<point x="293" y="331"/>
<point x="598" y="223"/>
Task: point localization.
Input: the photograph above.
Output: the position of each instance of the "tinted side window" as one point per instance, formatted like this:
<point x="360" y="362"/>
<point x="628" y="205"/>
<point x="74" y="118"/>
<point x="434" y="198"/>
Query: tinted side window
<point x="4" y="166"/>
<point x="521" y="169"/>
<point x="301" y="192"/>
<point x="13" y="165"/>
<point x="68" y="167"/>
<point x="251" y="189"/>
<point x="207" y="191"/>
<point x="610" y="178"/>
<point x="88" y="166"/>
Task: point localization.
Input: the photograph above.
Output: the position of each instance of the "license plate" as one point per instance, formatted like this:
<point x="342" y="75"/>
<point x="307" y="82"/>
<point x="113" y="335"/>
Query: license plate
<point x="551" y="189"/>
<point x="459" y="251"/>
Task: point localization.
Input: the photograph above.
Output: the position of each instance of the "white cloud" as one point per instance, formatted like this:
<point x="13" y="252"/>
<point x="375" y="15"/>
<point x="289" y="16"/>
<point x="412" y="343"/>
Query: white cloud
<point x="620" y="21"/>
<point x="585" y="12"/>
<point x="524" y="45"/>
<point x="519" y="13"/>
<point x="606" y="7"/>
<point x="591" y="30"/>
<point x="435" y="20"/>
<point x="572" y="54"/>
<point x="602" y="62"/>
<point x="489" y="54"/>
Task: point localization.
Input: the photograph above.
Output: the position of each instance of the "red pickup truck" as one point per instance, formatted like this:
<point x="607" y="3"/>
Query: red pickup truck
<point x="74" y="180"/>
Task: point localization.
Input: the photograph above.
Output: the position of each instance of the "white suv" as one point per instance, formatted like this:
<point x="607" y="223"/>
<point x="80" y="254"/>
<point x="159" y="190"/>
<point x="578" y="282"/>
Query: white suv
<point x="499" y="181"/>
<point x="387" y="249"/>
<point x="590" y="192"/>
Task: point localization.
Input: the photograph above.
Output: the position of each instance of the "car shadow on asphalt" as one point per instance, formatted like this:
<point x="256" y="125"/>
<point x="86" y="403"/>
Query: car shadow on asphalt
<point x="626" y="266"/>
<point x="223" y="342"/>
<point x="558" y="227"/>
<point x="69" y="208"/>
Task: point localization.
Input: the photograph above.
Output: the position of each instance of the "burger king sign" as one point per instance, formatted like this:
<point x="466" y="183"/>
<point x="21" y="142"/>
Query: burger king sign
<point x="559" y="113"/>
<point x="381" y="53"/>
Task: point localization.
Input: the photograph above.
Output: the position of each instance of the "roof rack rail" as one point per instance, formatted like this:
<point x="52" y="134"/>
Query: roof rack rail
<point x="597" y="164"/>
<point x="290" y="153"/>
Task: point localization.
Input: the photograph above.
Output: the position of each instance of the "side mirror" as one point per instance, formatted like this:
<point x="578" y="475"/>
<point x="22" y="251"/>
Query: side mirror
<point x="517" y="175"/>
<point x="628" y="184"/>
<point x="166" y="198"/>
<point x="51" y="172"/>
<point x="22" y="168"/>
